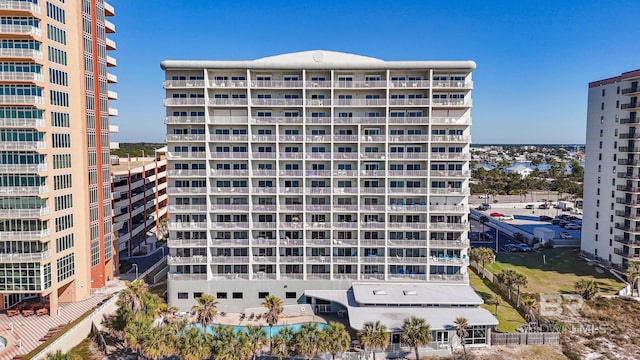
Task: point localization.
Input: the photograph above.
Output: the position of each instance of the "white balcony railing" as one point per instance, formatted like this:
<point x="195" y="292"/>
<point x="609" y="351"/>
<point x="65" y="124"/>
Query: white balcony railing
<point x="24" y="235"/>
<point x="20" y="53"/>
<point x="12" y="29"/>
<point x="24" y="213"/>
<point x="22" y="99"/>
<point x="24" y="190"/>
<point x="25" y="257"/>
<point x="21" y="76"/>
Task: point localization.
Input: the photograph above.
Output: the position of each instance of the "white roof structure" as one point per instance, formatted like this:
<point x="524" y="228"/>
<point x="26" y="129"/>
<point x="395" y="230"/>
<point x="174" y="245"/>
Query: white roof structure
<point x="316" y="59"/>
<point x="438" y="304"/>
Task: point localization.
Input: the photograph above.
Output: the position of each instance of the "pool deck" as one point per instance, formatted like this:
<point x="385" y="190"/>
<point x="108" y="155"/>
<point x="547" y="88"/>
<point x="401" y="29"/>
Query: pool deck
<point x="234" y="320"/>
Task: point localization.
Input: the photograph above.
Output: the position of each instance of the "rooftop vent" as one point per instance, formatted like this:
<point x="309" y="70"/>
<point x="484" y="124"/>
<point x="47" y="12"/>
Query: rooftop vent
<point x="379" y="292"/>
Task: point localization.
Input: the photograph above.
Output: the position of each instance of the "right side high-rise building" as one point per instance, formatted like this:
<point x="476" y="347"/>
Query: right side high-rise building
<point x="611" y="230"/>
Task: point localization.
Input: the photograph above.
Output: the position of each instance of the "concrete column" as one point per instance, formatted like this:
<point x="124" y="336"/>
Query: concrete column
<point x="53" y="303"/>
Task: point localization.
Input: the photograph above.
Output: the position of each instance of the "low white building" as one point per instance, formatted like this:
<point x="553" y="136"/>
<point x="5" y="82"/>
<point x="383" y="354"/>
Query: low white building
<point x="522" y="170"/>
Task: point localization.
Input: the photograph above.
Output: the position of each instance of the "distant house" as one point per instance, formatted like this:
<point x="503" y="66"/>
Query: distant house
<point x="524" y="171"/>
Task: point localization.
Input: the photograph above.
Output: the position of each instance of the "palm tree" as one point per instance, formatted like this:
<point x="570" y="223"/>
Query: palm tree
<point x="242" y="347"/>
<point x="135" y="332"/>
<point x="335" y="339"/>
<point x="193" y="344"/>
<point x="223" y="342"/>
<point x="483" y="220"/>
<point x="519" y="282"/>
<point x="633" y="273"/>
<point x="587" y="288"/>
<point x="59" y="355"/>
<point x="205" y="310"/>
<point x="283" y="342"/>
<point x="307" y="340"/>
<point x="481" y="255"/>
<point x="531" y="304"/>
<point x="153" y="344"/>
<point x="497" y="300"/>
<point x="374" y="335"/>
<point x="415" y="333"/>
<point x="462" y="326"/>
<point x="274" y="310"/>
<point x="133" y="294"/>
<point x="507" y="277"/>
<point x="257" y="338"/>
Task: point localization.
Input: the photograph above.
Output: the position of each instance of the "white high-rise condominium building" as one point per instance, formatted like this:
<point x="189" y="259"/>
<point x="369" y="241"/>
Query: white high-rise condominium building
<point x="315" y="170"/>
<point x="611" y="230"/>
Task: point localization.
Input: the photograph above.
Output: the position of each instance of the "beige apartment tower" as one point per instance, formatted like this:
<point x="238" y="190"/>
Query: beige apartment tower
<point x="315" y="170"/>
<point x="55" y="209"/>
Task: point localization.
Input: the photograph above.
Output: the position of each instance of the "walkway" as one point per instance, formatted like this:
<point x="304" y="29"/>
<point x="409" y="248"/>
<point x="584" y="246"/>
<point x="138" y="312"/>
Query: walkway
<point x="28" y="331"/>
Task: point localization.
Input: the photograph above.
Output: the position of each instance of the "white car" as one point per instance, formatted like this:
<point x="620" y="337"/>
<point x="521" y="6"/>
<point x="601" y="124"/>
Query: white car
<point x="483" y="196"/>
<point x="506" y="217"/>
<point x="572" y="226"/>
<point x="565" y="235"/>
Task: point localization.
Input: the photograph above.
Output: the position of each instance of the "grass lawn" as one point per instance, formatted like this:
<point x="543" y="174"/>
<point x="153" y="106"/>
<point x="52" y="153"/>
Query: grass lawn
<point x="563" y="268"/>
<point x="508" y="317"/>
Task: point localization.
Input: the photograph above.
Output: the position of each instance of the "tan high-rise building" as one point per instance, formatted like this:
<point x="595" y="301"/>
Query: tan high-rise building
<point x="55" y="210"/>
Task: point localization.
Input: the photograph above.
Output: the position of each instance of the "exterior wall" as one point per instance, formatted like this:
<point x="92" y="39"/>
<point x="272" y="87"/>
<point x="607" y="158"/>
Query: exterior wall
<point x="59" y="255"/>
<point x="609" y="209"/>
<point x="249" y="212"/>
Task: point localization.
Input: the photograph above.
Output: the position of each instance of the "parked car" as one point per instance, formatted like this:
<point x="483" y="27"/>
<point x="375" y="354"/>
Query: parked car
<point x="572" y="226"/>
<point x="545" y="218"/>
<point x="524" y="247"/>
<point x="529" y="207"/>
<point x="577" y="211"/>
<point x="483" y="196"/>
<point x="496" y="214"/>
<point x="511" y="247"/>
<point x="483" y="207"/>
<point x="543" y="206"/>
<point x="565" y="235"/>
<point x="506" y="217"/>
<point x="556" y="221"/>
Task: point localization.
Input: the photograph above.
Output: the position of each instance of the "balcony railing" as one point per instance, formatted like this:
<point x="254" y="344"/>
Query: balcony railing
<point x="21" y="76"/>
<point x="238" y="173"/>
<point x="227" y="83"/>
<point x="629" y="242"/>
<point x="12" y="29"/>
<point x="446" y="191"/>
<point x="416" y="208"/>
<point x="170" y="84"/>
<point x="263" y="155"/>
<point x="449" y="277"/>
<point x="366" y="84"/>
<point x="13" y="168"/>
<point x="633" y="105"/>
<point x="629" y="162"/>
<point x="318" y="102"/>
<point x="20" y="53"/>
<point x="276" y="83"/>
<point x="229" y="259"/>
<point x="443" y="120"/>
<point x="359" y="102"/>
<point x="358" y="120"/>
<point x="24" y="213"/>
<point x="172" y="190"/>
<point x="229" y="155"/>
<point x="631" y="90"/>
<point x="186" y="155"/>
<point x="181" y="277"/>
<point x="188" y="208"/>
<point x="450" y="138"/>
<point x="415" y="225"/>
<point x="187" y="173"/>
<point x="187" y="225"/>
<point x="276" y="102"/>
<point x="449" y="226"/>
<point x="184" y="102"/>
<point x="409" y="84"/>
<point x="24" y="235"/>
<point x="185" y="137"/>
<point x="24" y="190"/>
<point x="179" y="260"/>
<point x="630" y="135"/>
<point x="628" y="228"/>
<point x="628" y="255"/>
<point x="625" y="188"/>
<point x="635" y="120"/>
<point x="177" y="243"/>
<point x="277" y="120"/>
<point x="450" y="156"/>
<point x="242" y="207"/>
<point x="230" y="190"/>
<point x="422" y="120"/>
<point x="230" y="225"/>
<point x="22" y="145"/>
<point x="409" y="102"/>
<point x="629" y="202"/>
<point x="451" y="103"/>
<point x="19" y="6"/>
<point x="25" y="257"/>
<point x="22" y="99"/>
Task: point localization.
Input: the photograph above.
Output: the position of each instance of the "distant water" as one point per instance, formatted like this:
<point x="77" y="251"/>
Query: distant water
<point x="541" y="167"/>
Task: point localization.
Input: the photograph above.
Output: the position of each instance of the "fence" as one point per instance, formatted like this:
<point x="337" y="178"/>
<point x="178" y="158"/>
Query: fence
<point x="526" y="338"/>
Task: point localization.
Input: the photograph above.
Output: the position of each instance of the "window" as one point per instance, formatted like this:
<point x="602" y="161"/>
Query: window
<point x="236" y="295"/>
<point x="290" y="295"/>
<point x="197" y="295"/>
<point x="262" y="295"/>
<point x="183" y="295"/>
<point x="222" y="295"/>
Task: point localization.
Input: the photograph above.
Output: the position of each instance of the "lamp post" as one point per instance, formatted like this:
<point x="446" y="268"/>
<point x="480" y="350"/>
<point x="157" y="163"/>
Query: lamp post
<point x="136" y="266"/>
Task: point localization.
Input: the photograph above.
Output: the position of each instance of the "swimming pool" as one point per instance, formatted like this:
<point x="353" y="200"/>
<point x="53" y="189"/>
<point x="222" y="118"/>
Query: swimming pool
<point x="274" y="331"/>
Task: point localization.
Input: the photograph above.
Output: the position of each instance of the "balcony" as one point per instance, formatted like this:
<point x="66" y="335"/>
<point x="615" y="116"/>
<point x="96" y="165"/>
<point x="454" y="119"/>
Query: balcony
<point x="111" y="45"/>
<point x="630" y="106"/>
<point x="365" y="173"/>
<point x="229" y="138"/>
<point x="114" y="128"/>
<point x="23" y="213"/>
<point x="21" y="76"/>
<point x="629" y="202"/>
<point x="622" y="175"/>
<point x="318" y="84"/>
<point x="450" y="173"/>
<point x="22" y="168"/>
<point x="22" y="145"/>
<point x="25" y="257"/>
<point x="451" y="156"/>
<point x="277" y="120"/>
<point x="184" y="277"/>
<point x="360" y="102"/>
<point x="448" y="208"/>
<point x="264" y="225"/>
<point x="408" y="173"/>
<point x="631" y="90"/>
<point x="450" y="138"/>
<point x="111" y="78"/>
<point x="171" y="190"/>
<point x="20" y="53"/>
<point x="180" y="260"/>
<point x="188" y="208"/>
<point x="229" y="242"/>
<point x="452" y="103"/>
<point x="380" y="225"/>
<point x="229" y="155"/>
<point x="112" y="95"/>
<point x="229" y="190"/>
<point x="449" y="191"/>
<point x="449" y="277"/>
<point x="291" y="259"/>
<point x="626" y="254"/>
<point x="629" y="242"/>
<point x="318" y="102"/>
<point x="229" y="207"/>
<point x="22" y="99"/>
<point x="227" y="83"/>
<point x="185" y="137"/>
<point x="263" y="138"/>
<point x="628" y="228"/>
<point x="367" y="84"/>
<point x="345" y="156"/>
<point x="635" y="120"/>
<point x="176" y="84"/>
<point x="358" y="120"/>
<point x="24" y="190"/>
<point x="409" y="84"/>
<point x="409" y="102"/>
<point x="228" y="101"/>
<point x="184" y="102"/>
<point x="109" y="27"/>
<point x="186" y="225"/>
<point x="628" y="162"/>
<point x="113" y="112"/>
<point x="180" y="120"/>
<point x="628" y="149"/>
<point x="280" y="84"/>
<point x="414" y="225"/>
<point x="407" y="259"/>
<point x="262" y="172"/>
<point x="276" y="102"/>
<point x="630" y="189"/>
<point x="14" y="5"/>
<point x="11" y="29"/>
<point x="24" y="235"/>
<point x="448" y="226"/>
<point x="264" y="190"/>
<point x="422" y="120"/>
<point x="452" y="84"/>
<point x="449" y="243"/>
<point x="629" y="135"/>
<point x="233" y="173"/>
<point x="171" y="155"/>
<point x="229" y="259"/>
<point x="408" y="191"/>
<point x="108" y="9"/>
<point x="443" y="120"/>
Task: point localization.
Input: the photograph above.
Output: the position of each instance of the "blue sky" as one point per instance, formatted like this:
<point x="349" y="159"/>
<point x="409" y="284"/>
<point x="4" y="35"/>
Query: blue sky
<point x="534" y="58"/>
